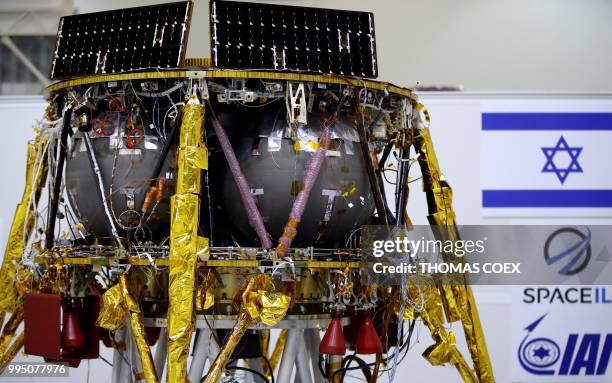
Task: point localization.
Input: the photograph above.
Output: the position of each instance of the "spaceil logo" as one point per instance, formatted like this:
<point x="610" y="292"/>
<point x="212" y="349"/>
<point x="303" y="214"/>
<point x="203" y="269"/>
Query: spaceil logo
<point x="580" y="354"/>
<point x="573" y="257"/>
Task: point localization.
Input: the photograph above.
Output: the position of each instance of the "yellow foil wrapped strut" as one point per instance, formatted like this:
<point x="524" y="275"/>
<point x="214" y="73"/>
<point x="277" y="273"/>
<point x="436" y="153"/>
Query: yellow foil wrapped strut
<point x="8" y="332"/>
<point x="258" y="303"/>
<point x="443" y="215"/>
<point x="439" y="200"/>
<point x="265" y="342"/>
<point x="209" y="301"/>
<point x="475" y="337"/>
<point x="35" y="176"/>
<point x="190" y="177"/>
<point x="10" y="354"/>
<point x="216" y="369"/>
<point x="197" y="157"/>
<point x="427" y="159"/>
<point x="184" y="240"/>
<point x="442" y="351"/>
<point x="251" y="292"/>
<point x="278" y="349"/>
<point x="445" y="349"/>
<point x="449" y="302"/>
<point x="138" y="330"/>
<point x="182" y="278"/>
<point x="119" y="303"/>
<point x="204" y="300"/>
<point x="191" y="149"/>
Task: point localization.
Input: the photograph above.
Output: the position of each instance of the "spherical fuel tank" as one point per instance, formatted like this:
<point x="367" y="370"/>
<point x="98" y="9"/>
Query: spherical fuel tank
<point x="126" y="173"/>
<point x="274" y="164"/>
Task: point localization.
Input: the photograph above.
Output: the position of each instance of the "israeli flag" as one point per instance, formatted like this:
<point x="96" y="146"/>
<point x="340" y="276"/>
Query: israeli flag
<point x="547" y="163"/>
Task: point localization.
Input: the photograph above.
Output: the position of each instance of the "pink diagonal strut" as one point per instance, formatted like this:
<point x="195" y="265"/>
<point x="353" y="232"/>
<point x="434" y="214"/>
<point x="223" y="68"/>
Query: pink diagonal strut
<point x="313" y="168"/>
<point x="243" y="186"/>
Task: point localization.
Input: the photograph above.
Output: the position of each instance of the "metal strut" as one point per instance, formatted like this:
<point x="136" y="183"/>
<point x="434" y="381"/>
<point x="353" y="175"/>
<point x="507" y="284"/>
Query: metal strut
<point x="57" y="182"/>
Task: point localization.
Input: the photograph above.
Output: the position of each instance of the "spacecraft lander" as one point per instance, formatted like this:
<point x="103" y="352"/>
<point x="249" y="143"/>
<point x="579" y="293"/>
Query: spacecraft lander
<point x="213" y="207"/>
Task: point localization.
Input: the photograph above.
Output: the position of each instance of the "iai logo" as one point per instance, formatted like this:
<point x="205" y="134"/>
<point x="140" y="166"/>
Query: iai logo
<point x="577" y="354"/>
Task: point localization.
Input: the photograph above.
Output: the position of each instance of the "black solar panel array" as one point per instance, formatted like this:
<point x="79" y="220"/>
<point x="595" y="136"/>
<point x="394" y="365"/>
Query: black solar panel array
<point x="266" y="36"/>
<point x="122" y="40"/>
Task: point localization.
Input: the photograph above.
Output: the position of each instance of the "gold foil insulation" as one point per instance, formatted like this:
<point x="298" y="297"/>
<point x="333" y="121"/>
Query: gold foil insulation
<point x="113" y="312"/>
<point x="274" y="357"/>
<point x="23" y="222"/>
<point x="258" y="302"/>
<point x="278" y="349"/>
<point x="204" y="297"/>
<point x="8" y="332"/>
<point x="138" y="330"/>
<point x="10" y="354"/>
<point x="184" y="241"/>
<point x="119" y="304"/>
<point x="216" y="369"/>
<point x="457" y="300"/>
<point x="204" y="300"/>
<point x="262" y="303"/>
<point x="474" y="334"/>
<point x="445" y="349"/>
<point x="274" y="307"/>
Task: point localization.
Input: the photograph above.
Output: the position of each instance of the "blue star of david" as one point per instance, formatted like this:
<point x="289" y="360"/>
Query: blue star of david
<point x="551" y="166"/>
<point x="541" y="352"/>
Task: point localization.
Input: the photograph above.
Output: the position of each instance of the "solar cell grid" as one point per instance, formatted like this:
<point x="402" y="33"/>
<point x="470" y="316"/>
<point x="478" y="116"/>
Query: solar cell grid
<point x="280" y="37"/>
<point x="121" y="40"/>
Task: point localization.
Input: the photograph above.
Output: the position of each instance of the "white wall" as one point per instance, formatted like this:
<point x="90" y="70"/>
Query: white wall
<point x="17" y="117"/>
<point x="543" y="45"/>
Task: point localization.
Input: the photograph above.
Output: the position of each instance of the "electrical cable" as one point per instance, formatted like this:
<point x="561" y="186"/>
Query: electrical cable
<point x="384" y="174"/>
<point x="321" y="368"/>
<point x="107" y="362"/>
<point x="361" y="366"/>
<point x="406" y="344"/>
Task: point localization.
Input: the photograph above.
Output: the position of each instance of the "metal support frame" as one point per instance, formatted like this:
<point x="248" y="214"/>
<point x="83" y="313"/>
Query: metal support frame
<point x="57" y="181"/>
<point x="313" y="339"/>
<point x="200" y="355"/>
<point x="122" y="370"/>
<point x="285" y="370"/>
<point x="302" y="361"/>
<point x="10" y="44"/>
<point x="300" y="351"/>
<point x="161" y="353"/>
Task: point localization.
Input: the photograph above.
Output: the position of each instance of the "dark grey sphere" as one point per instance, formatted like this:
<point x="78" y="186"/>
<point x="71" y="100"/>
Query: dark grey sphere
<point x="275" y="177"/>
<point x="133" y="170"/>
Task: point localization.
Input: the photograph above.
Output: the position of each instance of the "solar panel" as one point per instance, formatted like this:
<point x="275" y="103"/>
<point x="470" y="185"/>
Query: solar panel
<point x="121" y="40"/>
<point x="280" y="37"/>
